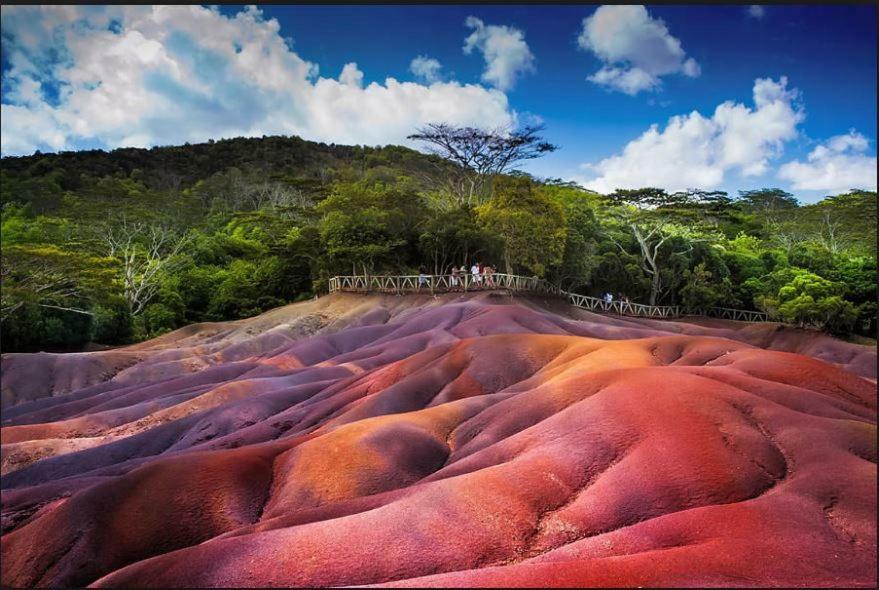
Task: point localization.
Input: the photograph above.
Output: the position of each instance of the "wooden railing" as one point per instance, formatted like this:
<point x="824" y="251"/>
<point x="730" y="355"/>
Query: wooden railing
<point x="400" y="284"/>
<point x="624" y="307"/>
<point x="728" y="313"/>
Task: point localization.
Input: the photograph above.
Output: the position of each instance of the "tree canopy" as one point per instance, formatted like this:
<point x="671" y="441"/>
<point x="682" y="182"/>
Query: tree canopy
<point x="116" y="247"/>
<point x="480" y="155"/>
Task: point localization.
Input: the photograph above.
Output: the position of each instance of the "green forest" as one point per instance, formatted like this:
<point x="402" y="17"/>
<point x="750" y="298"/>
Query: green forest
<point x="117" y="247"/>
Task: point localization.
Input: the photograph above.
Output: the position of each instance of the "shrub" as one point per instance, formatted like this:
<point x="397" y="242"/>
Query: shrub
<point x="807" y="299"/>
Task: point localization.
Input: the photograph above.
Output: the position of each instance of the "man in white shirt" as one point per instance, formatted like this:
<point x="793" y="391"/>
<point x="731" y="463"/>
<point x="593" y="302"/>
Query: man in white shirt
<point x="477" y="278"/>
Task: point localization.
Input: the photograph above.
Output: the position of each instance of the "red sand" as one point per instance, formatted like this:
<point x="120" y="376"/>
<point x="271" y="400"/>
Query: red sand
<point x="473" y="441"/>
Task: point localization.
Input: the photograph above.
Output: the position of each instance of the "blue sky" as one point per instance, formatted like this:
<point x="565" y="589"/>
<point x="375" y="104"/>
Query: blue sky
<point x="770" y="96"/>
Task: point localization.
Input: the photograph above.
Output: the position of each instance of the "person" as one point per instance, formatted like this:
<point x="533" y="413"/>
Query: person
<point x="455" y="278"/>
<point x="422" y="279"/>
<point x="477" y="278"/>
<point x="489" y="276"/>
<point x="609" y="299"/>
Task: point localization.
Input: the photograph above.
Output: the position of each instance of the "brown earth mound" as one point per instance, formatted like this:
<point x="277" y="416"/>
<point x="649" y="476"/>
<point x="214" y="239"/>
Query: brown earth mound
<point x="470" y="441"/>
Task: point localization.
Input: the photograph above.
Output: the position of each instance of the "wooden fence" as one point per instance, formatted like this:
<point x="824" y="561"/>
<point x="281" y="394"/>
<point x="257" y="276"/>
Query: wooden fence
<point x="401" y="284"/>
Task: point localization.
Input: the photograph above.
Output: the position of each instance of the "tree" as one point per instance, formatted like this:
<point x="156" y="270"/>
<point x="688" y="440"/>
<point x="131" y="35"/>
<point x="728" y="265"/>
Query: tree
<point x="143" y="251"/>
<point x="531" y="225"/>
<point x="651" y="232"/>
<point x="843" y="223"/>
<point x="647" y="197"/>
<point x="806" y="299"/>
<point x="580" y="258"/>
<point x="768" y="201"/>
<point x="698" y="291"/>
<point x="48" y="296"/>
<point x="717" y="200"/>
<point x="365" y="225"/>
<point x="45" y="276"/>
<point x="454" y="237"/>
<point x="479" y="155"/>
<point x="832" y="233"/>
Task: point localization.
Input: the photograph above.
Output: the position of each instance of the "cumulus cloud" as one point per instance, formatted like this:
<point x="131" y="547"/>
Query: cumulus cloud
<point x="505" y="51"/>
<point x="756" y="11"/>
<point x="113" y="76"/>
<point x="637" y="50"/>
<point x="696" y="151"/>
<point x="837" y="165"/>
<point x="351" y="76"/>
<point x="426" y="68"/>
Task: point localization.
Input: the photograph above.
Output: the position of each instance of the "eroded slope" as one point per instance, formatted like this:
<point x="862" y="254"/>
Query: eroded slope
<point x="472" y="441"/>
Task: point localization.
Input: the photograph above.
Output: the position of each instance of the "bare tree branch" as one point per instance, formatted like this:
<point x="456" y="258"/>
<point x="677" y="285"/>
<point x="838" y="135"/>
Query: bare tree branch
<point x="144" y="252"/>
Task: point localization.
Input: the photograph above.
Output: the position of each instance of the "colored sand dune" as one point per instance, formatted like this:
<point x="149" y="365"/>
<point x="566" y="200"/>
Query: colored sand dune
<point x="460" y="441"/>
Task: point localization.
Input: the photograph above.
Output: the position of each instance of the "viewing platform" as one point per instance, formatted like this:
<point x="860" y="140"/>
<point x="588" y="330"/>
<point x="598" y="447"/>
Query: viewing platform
<point x="433" y="284"/>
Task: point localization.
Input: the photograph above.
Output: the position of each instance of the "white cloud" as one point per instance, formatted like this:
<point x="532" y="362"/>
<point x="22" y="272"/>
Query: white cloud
<point x="836" y="166"/>
<point x="23" y="129"/>
<point x="696" y="151"/>
<point x="756" y="11"/>
<point x="351" y="76"/>
<point x="139" y="75"/>
<point x="637" y="50"/>
<point x="426" y="68"/>
<point x="631" y="81"/>
<point x="505" y="51"/>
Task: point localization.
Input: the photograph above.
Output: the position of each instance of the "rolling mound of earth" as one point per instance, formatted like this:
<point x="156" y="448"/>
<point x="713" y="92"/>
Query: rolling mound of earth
<point x="475" y="440"/>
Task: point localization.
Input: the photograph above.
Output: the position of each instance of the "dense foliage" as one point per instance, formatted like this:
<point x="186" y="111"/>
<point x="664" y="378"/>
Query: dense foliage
<point x="121" y="246"/>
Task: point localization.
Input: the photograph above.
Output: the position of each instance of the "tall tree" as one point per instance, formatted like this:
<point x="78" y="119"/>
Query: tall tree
<point x="647" y="197"/>
<point x="143" y="251"/>
<point x="844" y="222"/>
<point x="531" y="225"/>
<point x="581" y="256"/>
<point x="652" y="231"/>
<point x="479" y="154"/>
<point x="48" y="277"/>
<point x="768" y="201"/>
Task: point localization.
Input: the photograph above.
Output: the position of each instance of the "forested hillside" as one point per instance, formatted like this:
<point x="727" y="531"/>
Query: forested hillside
<point x="120" y="246"/>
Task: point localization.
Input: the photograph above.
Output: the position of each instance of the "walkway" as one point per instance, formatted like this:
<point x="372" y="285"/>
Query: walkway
<point x="401" y="284"/>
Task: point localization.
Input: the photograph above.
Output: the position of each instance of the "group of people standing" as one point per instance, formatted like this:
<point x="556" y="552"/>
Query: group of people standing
<point x="608" y="298"/>
<point x="482" y="275"/>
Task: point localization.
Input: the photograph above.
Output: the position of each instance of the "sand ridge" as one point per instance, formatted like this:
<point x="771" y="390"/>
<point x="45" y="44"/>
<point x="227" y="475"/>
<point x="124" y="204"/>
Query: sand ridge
<point x="458" y="441"/>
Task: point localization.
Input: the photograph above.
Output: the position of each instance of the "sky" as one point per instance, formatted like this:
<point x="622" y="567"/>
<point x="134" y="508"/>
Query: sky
<point x="714" y="97"/>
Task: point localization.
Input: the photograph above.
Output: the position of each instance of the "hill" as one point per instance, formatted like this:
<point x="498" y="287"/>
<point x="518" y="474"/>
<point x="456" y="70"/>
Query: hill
<point x="458" y="441"/>
<point x="41" y="179"/>
<point x="119" y="247"/>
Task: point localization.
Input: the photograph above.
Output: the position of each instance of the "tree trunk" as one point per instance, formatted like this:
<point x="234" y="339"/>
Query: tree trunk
<point x="655" y="287"/>
<point x="507" y="262"/>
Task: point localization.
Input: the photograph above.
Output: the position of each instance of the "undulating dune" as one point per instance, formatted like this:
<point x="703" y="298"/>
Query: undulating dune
<point x="477" y="440"/>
